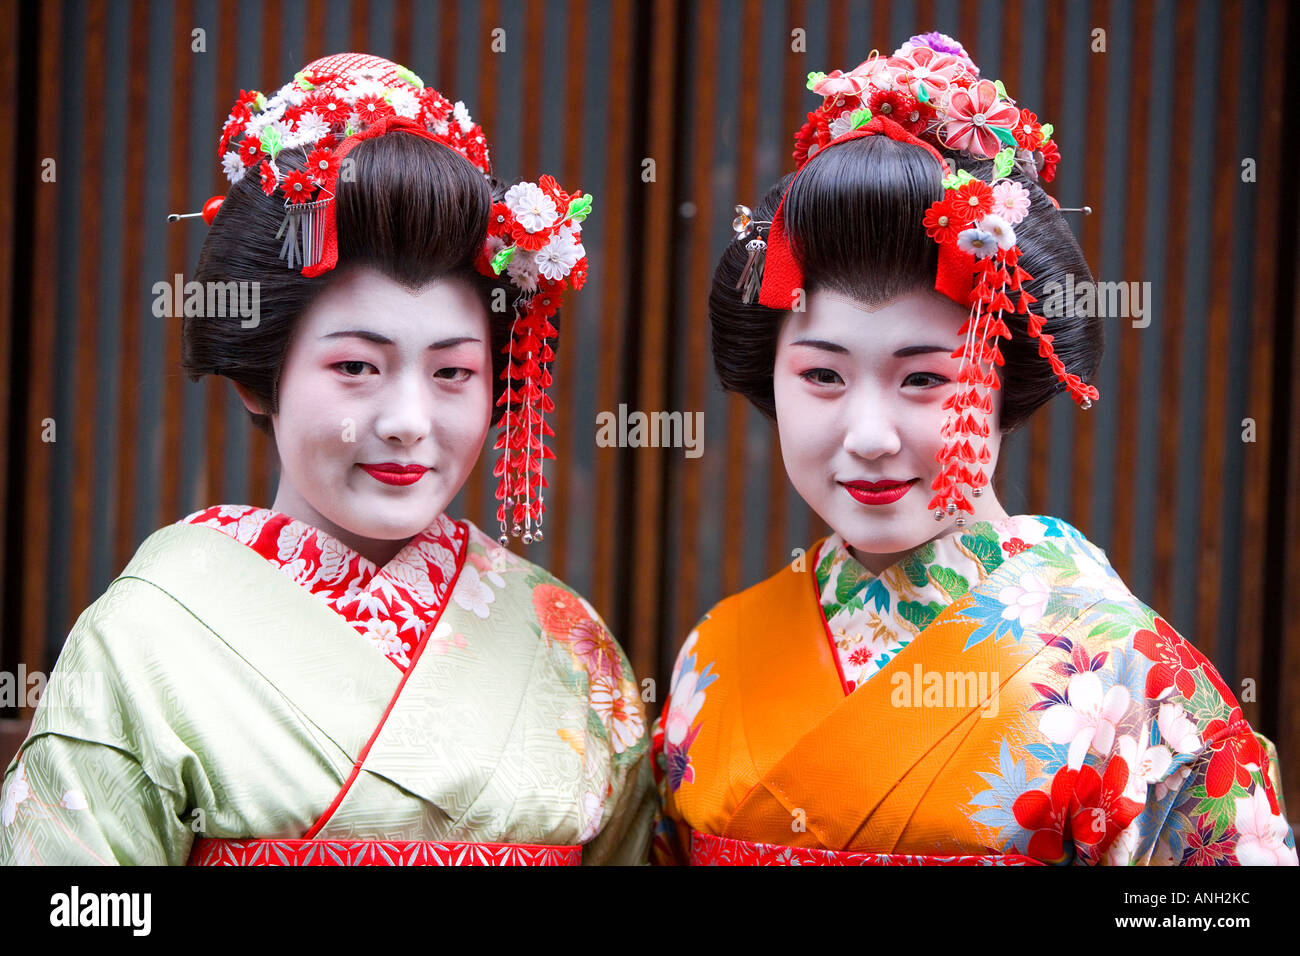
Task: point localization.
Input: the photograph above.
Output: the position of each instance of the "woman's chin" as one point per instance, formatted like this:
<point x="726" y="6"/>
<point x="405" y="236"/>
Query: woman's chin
<point x="885" y="533"/>
<point x="390" y="520"/>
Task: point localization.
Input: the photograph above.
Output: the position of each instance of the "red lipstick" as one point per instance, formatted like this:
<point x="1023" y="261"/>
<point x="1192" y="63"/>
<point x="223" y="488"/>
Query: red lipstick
<point x="878" y="492"/>
<point x="394" y="473"/>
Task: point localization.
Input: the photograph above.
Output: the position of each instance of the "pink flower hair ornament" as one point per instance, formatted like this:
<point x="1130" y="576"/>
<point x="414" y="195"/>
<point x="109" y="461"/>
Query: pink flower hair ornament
<point x="946" y="105"/>
<point x="534" y="232"/>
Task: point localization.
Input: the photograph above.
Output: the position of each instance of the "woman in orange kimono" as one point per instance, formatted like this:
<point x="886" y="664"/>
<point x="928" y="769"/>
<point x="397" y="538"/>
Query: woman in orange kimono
<point x="988" y="694"/>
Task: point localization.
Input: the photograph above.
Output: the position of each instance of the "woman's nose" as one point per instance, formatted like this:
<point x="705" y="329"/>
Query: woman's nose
<point x="406" y="410"/>
<point x="871" y="430"/>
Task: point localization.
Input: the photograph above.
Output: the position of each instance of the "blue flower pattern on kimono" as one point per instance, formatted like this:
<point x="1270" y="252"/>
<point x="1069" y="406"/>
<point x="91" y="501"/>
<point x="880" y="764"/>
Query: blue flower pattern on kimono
<point x="1135" y="767"/>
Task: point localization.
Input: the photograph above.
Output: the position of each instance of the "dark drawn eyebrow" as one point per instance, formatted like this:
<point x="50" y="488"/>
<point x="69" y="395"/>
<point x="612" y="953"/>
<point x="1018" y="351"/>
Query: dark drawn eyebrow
<point x="905" y="352"/>
<point x="911" y="350"/>
<point x="823" y="345"/>
<point x="384" y="340"/>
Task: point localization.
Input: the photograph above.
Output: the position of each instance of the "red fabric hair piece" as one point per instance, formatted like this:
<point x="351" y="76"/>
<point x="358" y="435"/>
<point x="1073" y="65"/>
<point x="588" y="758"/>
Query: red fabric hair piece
<point x="955" y="277"/>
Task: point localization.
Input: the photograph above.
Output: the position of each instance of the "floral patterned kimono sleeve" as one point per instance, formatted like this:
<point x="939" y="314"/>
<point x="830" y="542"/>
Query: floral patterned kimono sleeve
<point x="48" y="798"/>
<point x="1158" y="768"/>
<point x="672" y="837"/>
<point x="78" y="791"/>
<point x="671" y="736"/>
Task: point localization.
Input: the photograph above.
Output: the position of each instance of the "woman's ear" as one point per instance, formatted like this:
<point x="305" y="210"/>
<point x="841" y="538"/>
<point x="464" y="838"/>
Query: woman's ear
<point x="250" y="400"/>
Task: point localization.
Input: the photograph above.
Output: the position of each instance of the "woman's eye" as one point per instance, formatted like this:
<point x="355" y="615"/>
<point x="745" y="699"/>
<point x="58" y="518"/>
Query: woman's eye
<point x="353" y="369"/>
<point x="934" y="380"/>
<point x="821" y="376"/>
<point x="453" y="374"/>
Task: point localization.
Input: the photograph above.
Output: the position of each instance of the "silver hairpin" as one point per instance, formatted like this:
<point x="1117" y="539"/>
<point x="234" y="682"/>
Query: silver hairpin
<point x="303" y="230"/>
<point x="751" y="231"/>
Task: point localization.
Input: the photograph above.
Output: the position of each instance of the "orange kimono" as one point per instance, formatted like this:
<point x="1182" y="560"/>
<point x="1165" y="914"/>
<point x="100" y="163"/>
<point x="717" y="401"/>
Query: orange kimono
<point x="998" y="697"/>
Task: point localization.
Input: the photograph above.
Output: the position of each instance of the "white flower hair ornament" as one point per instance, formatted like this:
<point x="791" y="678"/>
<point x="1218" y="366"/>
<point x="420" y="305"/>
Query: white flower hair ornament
<point x="534" y="232"/>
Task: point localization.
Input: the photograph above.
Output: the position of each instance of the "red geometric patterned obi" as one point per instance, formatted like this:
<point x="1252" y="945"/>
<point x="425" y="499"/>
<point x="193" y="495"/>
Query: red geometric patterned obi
<point x="213" y="852"/>
<point x="709" y="850"/>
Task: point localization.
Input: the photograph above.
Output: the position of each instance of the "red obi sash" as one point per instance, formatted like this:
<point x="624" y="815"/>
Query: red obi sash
<point x="253" y="852"/>
<point x="709" y="850"/>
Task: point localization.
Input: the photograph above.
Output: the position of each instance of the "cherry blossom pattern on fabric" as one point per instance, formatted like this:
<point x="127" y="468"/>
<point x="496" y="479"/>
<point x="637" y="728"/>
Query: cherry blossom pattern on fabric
<point x="391" y="607"/>
<point x="569" y="621"/>
<point x="676" y="729"/>
<point x="870" y="618"/>
<point x="20" y="792"/>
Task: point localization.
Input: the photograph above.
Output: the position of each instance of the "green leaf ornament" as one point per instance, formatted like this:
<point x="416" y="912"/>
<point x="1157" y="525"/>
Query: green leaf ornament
<point x="1004" y="135"/>
<point x="502" y="259"/>
<point x="1004" y="160"/>
<point x="579" y="208"/>
<point x="270" y="140"/>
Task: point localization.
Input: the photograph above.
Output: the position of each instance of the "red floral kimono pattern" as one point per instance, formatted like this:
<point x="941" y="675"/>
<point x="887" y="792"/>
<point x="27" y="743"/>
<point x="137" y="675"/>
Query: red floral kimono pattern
<point x="391" y="607"/>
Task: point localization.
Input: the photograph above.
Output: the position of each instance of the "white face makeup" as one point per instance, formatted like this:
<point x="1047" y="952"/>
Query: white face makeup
<point x="859" y="400"/>
<point x="378" y="377"/>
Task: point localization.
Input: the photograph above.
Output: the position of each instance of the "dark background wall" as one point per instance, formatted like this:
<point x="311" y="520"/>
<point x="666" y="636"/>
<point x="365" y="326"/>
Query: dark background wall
<point x="1153" y="131"/>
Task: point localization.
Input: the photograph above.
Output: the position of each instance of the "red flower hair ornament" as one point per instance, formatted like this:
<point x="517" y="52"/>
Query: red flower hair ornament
<point x="534" y="232"/>
<point x="929" y="94"/>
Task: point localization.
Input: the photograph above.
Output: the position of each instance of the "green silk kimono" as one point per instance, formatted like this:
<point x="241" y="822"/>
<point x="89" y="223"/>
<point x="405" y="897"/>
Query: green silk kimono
<point x="208" y="694"/>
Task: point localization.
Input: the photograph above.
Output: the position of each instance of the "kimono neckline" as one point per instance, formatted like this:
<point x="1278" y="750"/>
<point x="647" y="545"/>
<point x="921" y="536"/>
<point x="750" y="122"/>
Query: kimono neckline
<point x="836" y="540"/>
<point x="394" y="607"/>
<point x="868" y="618"/>
<point x="442" y="529"/>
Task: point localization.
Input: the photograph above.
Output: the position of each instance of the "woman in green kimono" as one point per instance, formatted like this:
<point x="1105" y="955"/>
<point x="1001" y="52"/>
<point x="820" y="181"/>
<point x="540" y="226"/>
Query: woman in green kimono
<point x="351" y="676"/>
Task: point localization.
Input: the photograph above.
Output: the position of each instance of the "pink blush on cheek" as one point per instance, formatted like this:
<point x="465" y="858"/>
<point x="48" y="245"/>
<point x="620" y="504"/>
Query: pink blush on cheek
<point x="319" y="389"/>
<point x="315" y="404"/>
